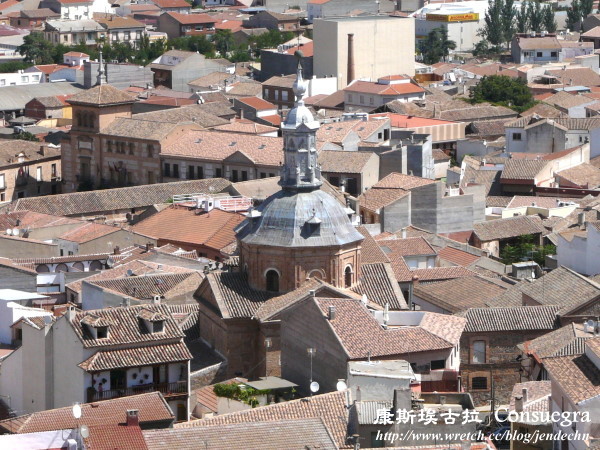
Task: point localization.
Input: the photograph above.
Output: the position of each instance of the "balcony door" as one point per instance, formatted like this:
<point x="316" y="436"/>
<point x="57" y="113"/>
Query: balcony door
<point x="118" y="379"/>
<point x="159" y="374"/>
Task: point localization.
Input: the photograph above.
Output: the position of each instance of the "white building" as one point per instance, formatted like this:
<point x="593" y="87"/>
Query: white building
<point x="98" y="355"/>
<point x="13" y="306"/>
<point x="462" y="19"/>
<point x="578" y="249"/>
<point x="371" y="95"/>
<point x="20" y="78"/>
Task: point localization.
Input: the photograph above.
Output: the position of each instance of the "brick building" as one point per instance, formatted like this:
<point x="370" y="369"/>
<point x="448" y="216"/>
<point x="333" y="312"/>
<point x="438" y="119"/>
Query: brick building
<point x="490" y="359"/>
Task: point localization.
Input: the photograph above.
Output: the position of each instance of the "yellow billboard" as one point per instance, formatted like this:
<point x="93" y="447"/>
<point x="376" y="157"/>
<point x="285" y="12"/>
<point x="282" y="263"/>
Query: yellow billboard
<point x="453" y="17"/>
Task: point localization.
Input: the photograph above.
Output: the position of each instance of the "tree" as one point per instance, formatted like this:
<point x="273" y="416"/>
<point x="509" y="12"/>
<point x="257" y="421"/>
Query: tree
<point x="436" y="46"/>
<point x="535" y="16"/>
<point x="224" y="43"/>
<point x="508" y="21"/>
<point x="35" y="49"/>
<point x="548" y="20"/>
<point x="26" y="136"/>
<point x="574" y="15"/>
<point x="492" y="30"/>
<point x="526" y="250"/>
<point x="522" y="19"/>
<point x="587" y="6"/>
<point x="504" y="91"/>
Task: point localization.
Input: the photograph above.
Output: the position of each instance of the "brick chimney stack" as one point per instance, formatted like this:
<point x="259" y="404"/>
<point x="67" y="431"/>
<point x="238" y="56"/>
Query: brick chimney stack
<point x="132" y="419"/>
<point x="351" y="74"/>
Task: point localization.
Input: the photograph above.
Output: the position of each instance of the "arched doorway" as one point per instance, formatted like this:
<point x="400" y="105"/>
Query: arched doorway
<point x="272" y="280"/>
<point x="348" y="276"/>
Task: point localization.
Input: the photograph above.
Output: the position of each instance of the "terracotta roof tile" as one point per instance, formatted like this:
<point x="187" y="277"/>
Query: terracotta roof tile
<point x="370" y="251"/>
<point x="88" y="232"/>
<point x="522" y="318"/>
<point x="459" y="294"/>
<point x="378" y="283"/>
<point x="458" y="257"/>
<point x="375" y="199"/>
<point x="586" y="176"/>
<point x="522" y="169"/>
<point x="191" y="19"/>
<point x="214" y="229"/>
<point x="297" y="434"/>
<point x="152" y="408"/>
<point x="566" y="341"/>
<point x="136" y="357"/>
<point x="506" y="228"/>
<point x="206" y="145"/>
<point x="344" y="161"/>
<point x="538" y="394"/>
<point x="369" y="87"/>
<point x="577" y="376"/>
<point x="110" y="437"/>
<point x="147" y="286"/>
<point x="234" y="296"/>
<point x="332" y="408"/>
<point x="117" y="199"/>
<point x="257" y="103"/>
<point x="362" y="336"/>
<point x="207" y="115"/>
<point x="101" y="95"/>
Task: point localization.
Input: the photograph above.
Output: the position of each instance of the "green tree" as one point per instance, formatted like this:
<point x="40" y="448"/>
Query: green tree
<point x="35" y="49"/>
<point x="535" y="16"/>
<point x="508" y="21"/>
<point x="548" y="19"/>
<point x="504" y="91"/>
<point x="13" y="66"/>
<point x="26" y="136"/>
<point x="587" y="6"/>
<point x="436" y="46"/>
<point x="224" y="43"/>
<point x="526" y="250"/>
<point x="574" y="15"/>
<point x="492" y="30"/>
<point x="522" y="19"/>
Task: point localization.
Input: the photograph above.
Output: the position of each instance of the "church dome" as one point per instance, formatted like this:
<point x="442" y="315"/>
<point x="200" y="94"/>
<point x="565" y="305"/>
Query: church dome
<point x="299" y="219"/>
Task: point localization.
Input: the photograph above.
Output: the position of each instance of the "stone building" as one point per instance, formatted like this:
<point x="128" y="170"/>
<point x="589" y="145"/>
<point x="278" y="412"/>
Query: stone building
<point x="490" y="359"/>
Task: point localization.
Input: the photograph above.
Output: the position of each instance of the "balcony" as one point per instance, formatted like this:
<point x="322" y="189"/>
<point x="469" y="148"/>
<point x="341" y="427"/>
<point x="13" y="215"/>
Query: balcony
<point x="175" y="389"/>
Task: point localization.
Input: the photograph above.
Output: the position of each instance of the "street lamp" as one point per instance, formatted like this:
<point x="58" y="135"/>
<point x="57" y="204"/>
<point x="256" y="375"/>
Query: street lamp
<point x="311" y="352"/>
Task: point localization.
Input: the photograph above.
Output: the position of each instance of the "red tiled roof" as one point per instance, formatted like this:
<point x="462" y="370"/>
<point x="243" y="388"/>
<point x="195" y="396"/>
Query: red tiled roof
<point x="257" y="103"/>
<point x="152" y="408"/>
<point x="7" y="4"/>
<point x="406" y="247"/>
<point x="214" y="229"/>
<point x="274" y="119"/>
<point x="307" y="49"/>
<point x="172" y="4"/>
<point x="458" y="257"/>
<point x="111" y="437"/>
<point x="405" y="121"/>
<point x="190" y="19"/>
<point x="136" y="357"/>
<point x="88" y="232"/>
<point x="233" y="25"/>
<point x="77" y="54"/>
<point x="369" y="87"/>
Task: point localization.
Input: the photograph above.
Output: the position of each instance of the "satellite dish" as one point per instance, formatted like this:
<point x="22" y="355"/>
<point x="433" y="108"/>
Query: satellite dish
<point x="129" y="272"/>
<point x="341" y="385"/>
<point x="76" y="410"/>
<point x="15" y="232"/>
<point x="8" y="231"/>
<point x="314" y="387"/>
<point x="84" y="431"/>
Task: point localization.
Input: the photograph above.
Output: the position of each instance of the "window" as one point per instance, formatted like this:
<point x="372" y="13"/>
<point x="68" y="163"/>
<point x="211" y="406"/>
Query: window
<point x="102" y="332"/>
<point x="2" y="182"/>
<point x="175" y="170"/>
<point x="38" y="175"/>
<point x="158" y="326"/>
<point x="516" y="136"/>
<point x="244" y="175"/>
<point x="150" y="149"/>
<point x="348" y="277"/>
<point x="263" y="175"/>
<point x="335" y="181"/>
<point x="371" y="100"/>
<point x="438" y="364"/>
<point x="554" y="54"/>
<point x="234" y="176"/>
<point x="115" y="36"/>
<point x="539" y="54"/>
<point x="272" y="278"/>
<point x="131" y="147"/>
<point x="200" y="172"/>
<point x="218" y="172"/>
<point x="35" y="77"/>
<point x="284" y="96"/>
<point x="266" y="94"/>
<point x="66" y="38"/>
<point x="24" y="79"/>
<point x="3" y="82"/>
<point x="349" y="97"/>
<point x="2" y="197"/>
<point x="479" y="352"/>
<point x="109" y="146"/>
<point x="190" y="172"/>
<point x="127" y="35"/>
<point x="167" y="170"/>
<point x="479" y="383"/>
<point x="361" y="99"/>
<point x="276" y="95"/>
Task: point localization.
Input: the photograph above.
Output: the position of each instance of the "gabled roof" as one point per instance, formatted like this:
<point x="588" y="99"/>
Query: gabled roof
<point x="152" y="408"/>
<point x="332" y="408"/>
<point x="459" y="294"/>
<point x="522" y="169"/>
<point x="586" y="176"/>
<point x="506" y="228"/>
<point x="362" y="336"/>
<point x="577" y="376"/>
<point x="563" y="287"/>
<point x="368" y="87"/>
<point x="457" y="256"/>
<point x="378" y="283"/>
<point x="119" y="198"/>
<point x="191" y="19"/>
<point x="145" y="287"/>
<point x="295" y="434"/>
<point x="522" y="318"/>
<point x="136" y="357"/>
<point x="344" y="161"/>
<point x="125" y="328"/>
<point x="88" y="232"/>
<point x="566" y="341"/>
<point x="538" y="43"/>
<point x="101" y="95"/>
<point x="214" y="229"/>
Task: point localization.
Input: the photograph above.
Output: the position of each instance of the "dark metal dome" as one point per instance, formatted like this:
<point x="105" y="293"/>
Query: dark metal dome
<point x="299" y="219"/>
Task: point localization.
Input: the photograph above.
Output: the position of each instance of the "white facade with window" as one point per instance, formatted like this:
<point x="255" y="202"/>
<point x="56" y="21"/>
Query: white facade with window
<point x="20" y="78"/>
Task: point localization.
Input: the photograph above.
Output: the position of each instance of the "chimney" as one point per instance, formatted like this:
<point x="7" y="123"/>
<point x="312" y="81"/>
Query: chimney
<point x="519" y="403"/>
<point x="524" y="395"/>
<point x="149" y="246"/>
<point x="351" y="74"/>
<point x="581" y="220"/>
<point x="403" y="233"/>
<point x="331" y="314"/>
<point x="132" y="418"/>
<point x="41" y="152"/>
<point x="117" y="251"/>
<point x="70" y="313"/>
<point x="312" y="293"/>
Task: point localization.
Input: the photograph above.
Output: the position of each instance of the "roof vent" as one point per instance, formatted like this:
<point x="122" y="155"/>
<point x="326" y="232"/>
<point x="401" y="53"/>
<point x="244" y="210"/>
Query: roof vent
<point x="231" y="144"/>
<point x="331" y="313"/>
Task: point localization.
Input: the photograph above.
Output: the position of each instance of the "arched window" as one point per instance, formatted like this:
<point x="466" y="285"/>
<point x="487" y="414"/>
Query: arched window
<point x="348" y="276"/>
<point x="42" y="268"/>
<point x="61" y="268"/>
<point x="95" y="265"/>
<point x="78" y="266"/>
<point x="272" y="281"/>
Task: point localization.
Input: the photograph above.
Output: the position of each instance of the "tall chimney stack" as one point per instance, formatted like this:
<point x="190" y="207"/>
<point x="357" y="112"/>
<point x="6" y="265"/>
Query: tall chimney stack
<point x="132" y="418"/>
<point x="350" y="58"/>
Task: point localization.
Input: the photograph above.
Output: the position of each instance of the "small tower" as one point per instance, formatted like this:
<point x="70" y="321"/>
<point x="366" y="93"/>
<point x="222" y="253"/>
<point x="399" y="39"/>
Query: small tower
<point x="300" y="169"/>
<point x="101" y="79"/>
